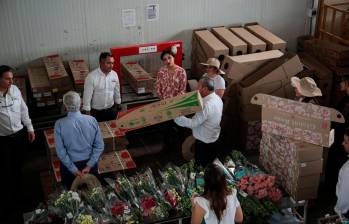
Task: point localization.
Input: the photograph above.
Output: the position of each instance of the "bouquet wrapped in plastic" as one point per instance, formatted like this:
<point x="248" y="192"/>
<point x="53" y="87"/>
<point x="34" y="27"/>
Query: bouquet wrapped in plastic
<point x="151" y="201"/>
<point x="67" y="206"/>
<point x="125" y="190"/>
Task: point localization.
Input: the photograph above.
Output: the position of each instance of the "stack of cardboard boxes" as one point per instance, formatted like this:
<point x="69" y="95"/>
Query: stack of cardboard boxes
<point x="79" y="71"/>
<point x="293" y="137"/>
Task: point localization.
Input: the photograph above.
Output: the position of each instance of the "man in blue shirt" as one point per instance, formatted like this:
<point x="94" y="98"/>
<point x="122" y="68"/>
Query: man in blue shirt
<point x="78" y="141"/>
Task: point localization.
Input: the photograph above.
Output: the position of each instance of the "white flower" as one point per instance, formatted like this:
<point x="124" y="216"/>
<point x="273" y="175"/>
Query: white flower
<point x="69" y="215"/>
<point x="39" y="211"/>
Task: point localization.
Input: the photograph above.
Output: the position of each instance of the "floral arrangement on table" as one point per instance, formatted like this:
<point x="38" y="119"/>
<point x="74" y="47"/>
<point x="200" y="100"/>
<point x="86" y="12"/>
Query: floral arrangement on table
<point x="85" y="219"/>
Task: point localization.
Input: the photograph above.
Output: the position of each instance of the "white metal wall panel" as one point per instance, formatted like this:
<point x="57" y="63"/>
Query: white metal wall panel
<point x="83" y="28"/>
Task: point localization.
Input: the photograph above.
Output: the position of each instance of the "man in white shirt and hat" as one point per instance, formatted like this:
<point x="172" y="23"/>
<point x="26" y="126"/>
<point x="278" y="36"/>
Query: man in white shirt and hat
<point x="101" y="96"/>
<point x="205" y="124"/>
<point x="13" y="138"/>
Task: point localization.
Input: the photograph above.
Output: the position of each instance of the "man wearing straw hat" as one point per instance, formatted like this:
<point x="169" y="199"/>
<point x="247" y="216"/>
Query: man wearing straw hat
<point x="213" y="72"/>
<point x="78" y="141"/>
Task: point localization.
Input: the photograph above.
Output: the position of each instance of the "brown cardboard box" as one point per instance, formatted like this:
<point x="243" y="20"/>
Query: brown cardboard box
<point x="211" y="45"/>
<point x="115" y="161"/>
<point x="238" y="67"/>
<point x="45" y="101"/>
<point x="309" y="168"/>
<point x="39" y="82"/>
<point x="57" y="75"/>
<point x="255" y="44"/>
<point x="235" y="44"/>
<point x="334" y="55"/>
<point x="273" y="78"/>
<point x="250" y="112"/>
<point x="308" y="181"/>
<point x="306" y="193"/>
<point x="137" y="77"/>
<point x="160" y="111"/>
<point x="79" y="71"/>
<point x="250" y="135"/>
<point x="320" y="73"/>
<point x="20" y="82"/>
<point x="273" y="42"/>
<point x="296" y="120"/>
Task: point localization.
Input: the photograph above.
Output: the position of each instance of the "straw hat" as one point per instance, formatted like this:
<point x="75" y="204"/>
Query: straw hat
<point x="306" y="86"/>
<point x="213" y="62"/>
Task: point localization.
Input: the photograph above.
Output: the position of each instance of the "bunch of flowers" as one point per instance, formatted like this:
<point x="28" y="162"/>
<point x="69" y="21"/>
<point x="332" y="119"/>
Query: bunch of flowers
<point x="96" y="199"/>
<point x="67" y="205"/>
<point x="85" y="219"/>
<point x="260" y="186"/>
<point x="124" y="189"/>
<point x="152" y="202"/>
<point x="121" y="211"/>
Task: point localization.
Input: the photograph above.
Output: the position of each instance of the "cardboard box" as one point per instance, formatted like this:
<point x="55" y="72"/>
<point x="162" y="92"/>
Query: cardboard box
<point x="302" y="169"/>
<point x="235" y="44"/>
<point x="238" y="67"/>
<point x="39" y="83"/>
<point x="20" y="82"/>
<point x="56" y="168"/>
<point x="160" y="111"/>
<point x="320" y="73"/>
<point x="112" y="138"/>
<point x="250" y="135"/>
<point x="255" y="44"/>
<point x="45" y="101"/>
<point x="306" y="193"/>
<point x="140" y="80"/>
<point x="296" y="120"/>
<point x="57" y="75"/>
<point x="273" y="42"/>
<point x="273" y="78"/>
<point x="211" y="45"/>
<point x="79" y="71"/>
<point x="115" y="161"/>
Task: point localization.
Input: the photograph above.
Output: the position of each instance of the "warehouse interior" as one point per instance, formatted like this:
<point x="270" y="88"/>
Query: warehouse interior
<point x="265" y="129"/>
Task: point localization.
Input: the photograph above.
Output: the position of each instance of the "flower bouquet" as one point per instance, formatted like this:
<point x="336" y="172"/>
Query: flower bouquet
<point x="120" y="211"/>
<point x="125" y="191"/>
<point x="67" y="206"/>
<point x="85" y="219"/>
<point x="152" y="202"/>
<point x="260" y="186"/>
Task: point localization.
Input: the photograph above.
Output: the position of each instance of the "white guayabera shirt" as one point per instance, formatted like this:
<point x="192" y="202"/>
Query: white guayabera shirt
<point x="342" y="190"/>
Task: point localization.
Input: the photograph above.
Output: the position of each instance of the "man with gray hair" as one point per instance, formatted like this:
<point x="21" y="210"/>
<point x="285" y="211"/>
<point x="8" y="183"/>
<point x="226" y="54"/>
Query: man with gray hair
<point x="78" y="141"/>
<point x="205" y="124"/>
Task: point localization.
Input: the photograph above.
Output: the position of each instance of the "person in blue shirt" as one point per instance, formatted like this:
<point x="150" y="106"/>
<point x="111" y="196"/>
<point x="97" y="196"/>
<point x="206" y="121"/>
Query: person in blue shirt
<point x="78" y="141"/>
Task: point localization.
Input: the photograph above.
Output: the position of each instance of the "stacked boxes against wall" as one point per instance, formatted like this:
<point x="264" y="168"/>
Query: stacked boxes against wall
<point x="58" y="78"/>
<point x="79" y="71"/>
<point x="40" y="87"/>
<point x="114" y="147"/>
<point x="293" y="137"/>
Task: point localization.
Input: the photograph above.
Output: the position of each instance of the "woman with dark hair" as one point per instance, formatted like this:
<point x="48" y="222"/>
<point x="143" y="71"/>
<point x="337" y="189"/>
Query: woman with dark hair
<point x="342" y="189"/>
<point x="218" y="204"/>
<point x="171" y="79"/>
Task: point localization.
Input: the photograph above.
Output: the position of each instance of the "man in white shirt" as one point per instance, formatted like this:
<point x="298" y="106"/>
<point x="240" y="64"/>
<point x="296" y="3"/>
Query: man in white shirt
<point x="102" y="90"/>
<point x="342" y="189"/>
<point x="206" y="123"/>
<point x="13" y="136"/>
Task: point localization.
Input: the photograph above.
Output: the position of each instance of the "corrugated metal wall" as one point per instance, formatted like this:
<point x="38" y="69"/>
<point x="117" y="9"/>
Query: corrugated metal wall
<point x="83" y="28"/>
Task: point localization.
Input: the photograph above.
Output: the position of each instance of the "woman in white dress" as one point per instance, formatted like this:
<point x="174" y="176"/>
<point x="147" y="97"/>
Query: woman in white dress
<point x="218" y="204"/>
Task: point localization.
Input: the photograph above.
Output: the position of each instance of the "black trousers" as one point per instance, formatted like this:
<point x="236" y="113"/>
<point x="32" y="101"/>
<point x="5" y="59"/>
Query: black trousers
<point x="11" y="161"/>
<point x="106" y="114"/>
<point x="205" y="153"/>
<point x="68" y="177"/>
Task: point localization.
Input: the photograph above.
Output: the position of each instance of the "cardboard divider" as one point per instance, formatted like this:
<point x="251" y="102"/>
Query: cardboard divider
<point x="235" y="44"/>
<point x="273" y="42"/>
<point x="255" y="44"/>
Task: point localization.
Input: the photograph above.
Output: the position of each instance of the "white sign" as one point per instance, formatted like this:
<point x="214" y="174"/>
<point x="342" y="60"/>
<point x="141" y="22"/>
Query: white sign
<point x="152" y="12"/>
<point x="148" y="49"/>
<point x="128" y="17"/>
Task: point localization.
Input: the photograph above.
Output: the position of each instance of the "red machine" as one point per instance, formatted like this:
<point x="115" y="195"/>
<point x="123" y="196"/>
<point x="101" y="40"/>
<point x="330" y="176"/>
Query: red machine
<point x="130" y="50"/>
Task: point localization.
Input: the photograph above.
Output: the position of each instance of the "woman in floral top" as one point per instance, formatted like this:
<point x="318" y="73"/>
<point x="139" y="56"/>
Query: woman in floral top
<point x="171" y="79"/>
